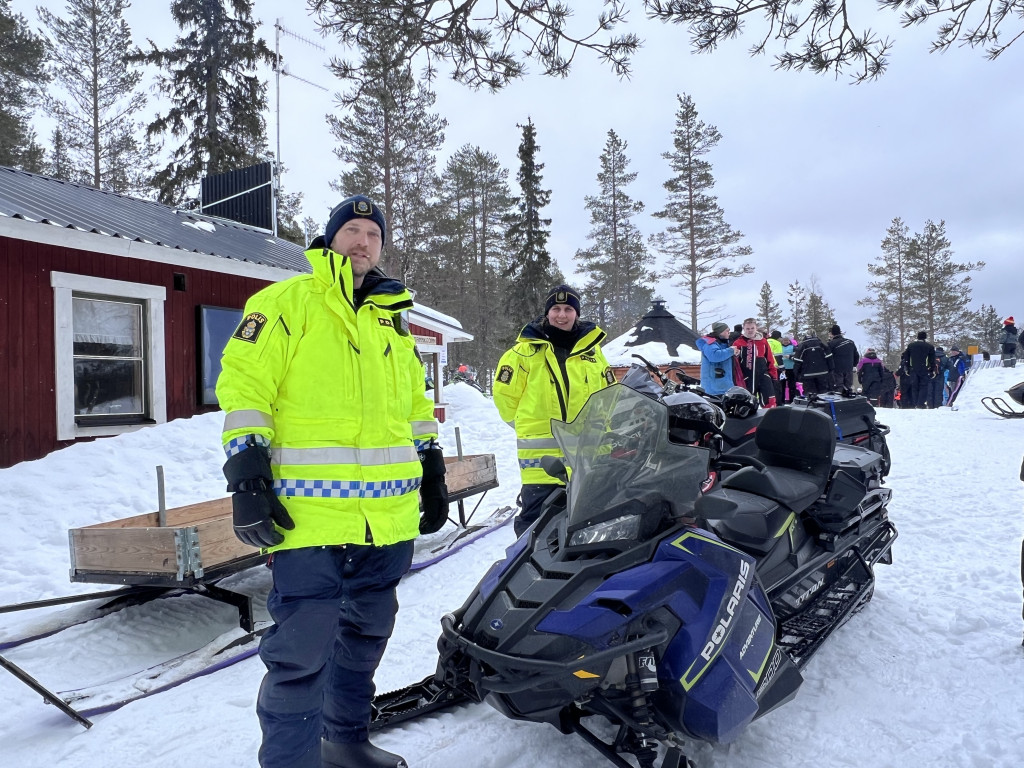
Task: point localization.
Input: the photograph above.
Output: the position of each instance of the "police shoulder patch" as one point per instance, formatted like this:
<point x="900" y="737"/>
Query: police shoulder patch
<point x="609" y="376"/>
<point x="588" y="358"/>
<point x="250" y="327"/>
<point x="385" y="321"/>
<point x="505" y="374"/>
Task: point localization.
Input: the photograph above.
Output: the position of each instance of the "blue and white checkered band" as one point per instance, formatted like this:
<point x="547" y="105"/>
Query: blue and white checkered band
<point x="346" y="489"/>
<point x="362" y="207"/>
<point x="237" y="444"/>
<point x="529" y="463"/>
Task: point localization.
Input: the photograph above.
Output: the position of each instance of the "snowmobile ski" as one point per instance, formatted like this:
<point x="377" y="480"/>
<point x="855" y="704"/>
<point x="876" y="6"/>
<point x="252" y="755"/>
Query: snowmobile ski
<point x="415" y="700"/>
<point x="432" y="549"/>
<point x="1001" y="408"/>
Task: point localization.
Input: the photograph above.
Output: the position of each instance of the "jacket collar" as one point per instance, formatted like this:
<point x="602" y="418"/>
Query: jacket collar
<point x="334" y="271"/>
<point x="590" y="334"/>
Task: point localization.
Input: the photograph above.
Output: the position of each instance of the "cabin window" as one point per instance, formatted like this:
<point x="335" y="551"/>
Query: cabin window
<point x="110" y="361"/>
<point x="110" y="355"/>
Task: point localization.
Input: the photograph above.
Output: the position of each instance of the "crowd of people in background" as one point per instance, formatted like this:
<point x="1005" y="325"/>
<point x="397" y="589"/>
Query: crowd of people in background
<point x="777" y="368"/>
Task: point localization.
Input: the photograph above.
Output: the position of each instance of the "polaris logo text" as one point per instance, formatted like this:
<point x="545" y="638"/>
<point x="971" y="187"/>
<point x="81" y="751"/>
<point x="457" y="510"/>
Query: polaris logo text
<point x="723" y="624"/>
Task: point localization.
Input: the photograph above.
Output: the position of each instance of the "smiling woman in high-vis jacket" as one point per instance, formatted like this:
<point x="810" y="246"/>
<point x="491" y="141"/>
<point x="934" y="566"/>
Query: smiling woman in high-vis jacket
<point x="555" y="365"/>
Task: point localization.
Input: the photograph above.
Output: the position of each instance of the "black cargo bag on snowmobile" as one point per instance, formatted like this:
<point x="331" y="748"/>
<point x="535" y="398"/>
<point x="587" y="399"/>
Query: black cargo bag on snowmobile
<point x="854" y="420"/>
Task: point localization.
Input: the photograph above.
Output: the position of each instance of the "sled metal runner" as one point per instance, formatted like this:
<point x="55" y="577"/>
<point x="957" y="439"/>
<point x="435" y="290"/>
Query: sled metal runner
<point x="229" y="649"/>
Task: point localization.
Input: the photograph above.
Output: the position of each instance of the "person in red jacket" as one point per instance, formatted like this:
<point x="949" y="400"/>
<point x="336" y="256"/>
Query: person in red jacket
<point x="757" y="363"/>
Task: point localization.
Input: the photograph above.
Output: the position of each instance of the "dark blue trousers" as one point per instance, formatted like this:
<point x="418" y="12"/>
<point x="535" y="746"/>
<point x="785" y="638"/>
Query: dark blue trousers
<point x="532" y="497"/>
<point x="333" y="610"/>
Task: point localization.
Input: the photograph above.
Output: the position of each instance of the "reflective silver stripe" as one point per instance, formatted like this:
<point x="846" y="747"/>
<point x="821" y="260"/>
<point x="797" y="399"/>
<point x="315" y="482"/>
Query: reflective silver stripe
<point x="537" y="444"/>
<point x="367" y="457"/>
<point x="424" y="427"/>
<point x="250" y="419"/>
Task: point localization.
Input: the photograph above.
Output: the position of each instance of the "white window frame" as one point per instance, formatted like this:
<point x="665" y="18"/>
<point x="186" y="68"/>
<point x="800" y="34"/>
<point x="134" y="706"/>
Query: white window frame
<point x="65" y="285"/>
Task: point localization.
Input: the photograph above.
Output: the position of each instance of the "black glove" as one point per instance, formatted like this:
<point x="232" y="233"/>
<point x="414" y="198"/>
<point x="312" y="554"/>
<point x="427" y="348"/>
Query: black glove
<point x="433" y="491"/>
<point x="255" y="507"/>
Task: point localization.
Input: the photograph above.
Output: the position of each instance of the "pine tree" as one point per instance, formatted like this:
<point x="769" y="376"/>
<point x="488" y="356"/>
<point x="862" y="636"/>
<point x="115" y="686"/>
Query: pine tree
<point x="769" y="313"/>
<point x="797" y="299"/>
<point x="988" y="329"/>
<point x="891" y="285"/>
<point x="311" y="229"/>
<point x="882" y="328"/>
<point x="819" y="315"/>
<point x="389" y="140"/>
<point x="33" y="157"/>
<point x="217" y="101"/>
<point x="289" y="210"/>
<point x="940" y="288"/>
<point x="472" y="213"/>
<point x="97" y="99"/>
<point x="618" y="264"/>
<point x="529" y="263"/>
<point x="22" y="74"/>
<point x="700" y="245"/>
<point x="60" y="165"/>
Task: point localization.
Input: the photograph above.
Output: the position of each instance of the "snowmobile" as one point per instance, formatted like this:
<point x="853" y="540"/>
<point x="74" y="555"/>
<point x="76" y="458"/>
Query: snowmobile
<point x="673" y="614"/>
<point x="852" y="415"/>
<point x="1003" y="409"/>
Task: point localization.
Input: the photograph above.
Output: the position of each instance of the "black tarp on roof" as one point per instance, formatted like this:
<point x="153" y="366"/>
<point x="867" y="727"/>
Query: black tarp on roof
<point x="33" y="197"/>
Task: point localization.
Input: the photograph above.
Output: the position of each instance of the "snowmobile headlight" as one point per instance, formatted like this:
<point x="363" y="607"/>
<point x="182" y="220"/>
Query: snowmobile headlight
<point x="617" y="529"/>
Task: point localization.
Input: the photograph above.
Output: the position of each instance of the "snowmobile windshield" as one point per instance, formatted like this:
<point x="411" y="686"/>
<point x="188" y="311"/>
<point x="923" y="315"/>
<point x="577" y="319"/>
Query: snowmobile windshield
<point x="622" y="463"/>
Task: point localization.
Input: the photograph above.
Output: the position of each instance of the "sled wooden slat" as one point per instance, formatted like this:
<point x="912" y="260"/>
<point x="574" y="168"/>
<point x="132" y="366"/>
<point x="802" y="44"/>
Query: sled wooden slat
<point x="467" y="476"/>
<point x="198" y="538"/>
<point x="198" y="543"/>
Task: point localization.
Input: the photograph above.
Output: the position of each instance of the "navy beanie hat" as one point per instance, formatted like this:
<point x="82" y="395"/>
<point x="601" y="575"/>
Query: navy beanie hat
<point x="562" y="294"/>
<point x="355" y="207"/>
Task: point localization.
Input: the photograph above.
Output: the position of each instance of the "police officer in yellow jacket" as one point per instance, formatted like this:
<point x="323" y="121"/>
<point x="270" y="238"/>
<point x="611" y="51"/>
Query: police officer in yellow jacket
<point x="555" y="365"/>
<point x="329" y="436"/>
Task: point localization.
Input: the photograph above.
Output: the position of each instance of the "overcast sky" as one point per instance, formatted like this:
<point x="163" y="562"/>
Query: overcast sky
<point x="810" y="168"/>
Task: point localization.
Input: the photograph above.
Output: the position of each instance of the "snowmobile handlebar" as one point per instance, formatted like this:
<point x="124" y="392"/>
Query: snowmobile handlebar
<point x="517" y="673"/>
<point x="685" y="380"/>
<point x="737" y="461"/>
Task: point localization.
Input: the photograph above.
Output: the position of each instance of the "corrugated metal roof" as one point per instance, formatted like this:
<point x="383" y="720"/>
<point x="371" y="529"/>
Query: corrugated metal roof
<point x="33" y="197"/>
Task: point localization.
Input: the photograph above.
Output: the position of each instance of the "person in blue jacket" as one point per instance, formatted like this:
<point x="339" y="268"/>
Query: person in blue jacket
<point x="717" y="360"/>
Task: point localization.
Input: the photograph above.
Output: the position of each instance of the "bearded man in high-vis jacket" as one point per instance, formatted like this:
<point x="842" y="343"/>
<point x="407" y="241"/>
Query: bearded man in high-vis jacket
<point x="329" y="436"/>
<point x="554" y="367"/>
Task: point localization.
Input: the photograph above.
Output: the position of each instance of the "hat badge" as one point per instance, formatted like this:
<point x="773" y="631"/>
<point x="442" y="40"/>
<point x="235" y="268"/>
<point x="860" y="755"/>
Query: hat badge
<point x="362" y="208"/>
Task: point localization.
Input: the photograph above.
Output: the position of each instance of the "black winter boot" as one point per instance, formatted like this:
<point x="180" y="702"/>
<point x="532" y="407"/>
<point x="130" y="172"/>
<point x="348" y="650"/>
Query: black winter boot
<point x="359" y="754"/>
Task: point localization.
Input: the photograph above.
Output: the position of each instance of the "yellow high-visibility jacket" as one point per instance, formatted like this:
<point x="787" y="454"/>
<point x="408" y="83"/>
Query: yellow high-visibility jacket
<point x="532" y="387"/>
<point x="338" y="395"/>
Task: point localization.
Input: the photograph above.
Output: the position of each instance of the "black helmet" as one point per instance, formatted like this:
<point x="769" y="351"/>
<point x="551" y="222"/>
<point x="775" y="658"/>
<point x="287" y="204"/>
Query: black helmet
<point x="739" y="402"/>
<point x="1017" y="392"/>
<point x="691" y="418"/>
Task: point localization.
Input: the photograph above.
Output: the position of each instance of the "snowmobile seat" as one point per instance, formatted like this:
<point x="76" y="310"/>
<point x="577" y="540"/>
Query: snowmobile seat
<point x="796" y="445"/>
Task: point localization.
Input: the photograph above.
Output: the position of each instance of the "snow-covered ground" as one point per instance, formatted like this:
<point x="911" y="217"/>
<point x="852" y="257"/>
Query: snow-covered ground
<point x="930" y="673"/>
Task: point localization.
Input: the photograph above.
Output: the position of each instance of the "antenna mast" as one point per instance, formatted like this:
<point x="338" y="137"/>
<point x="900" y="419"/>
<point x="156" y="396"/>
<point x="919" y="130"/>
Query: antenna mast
<point x="278" y="71"/>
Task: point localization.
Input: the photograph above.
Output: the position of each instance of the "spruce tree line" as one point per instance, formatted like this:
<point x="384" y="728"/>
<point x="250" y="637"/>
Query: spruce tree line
<point x="470" y="245"/>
